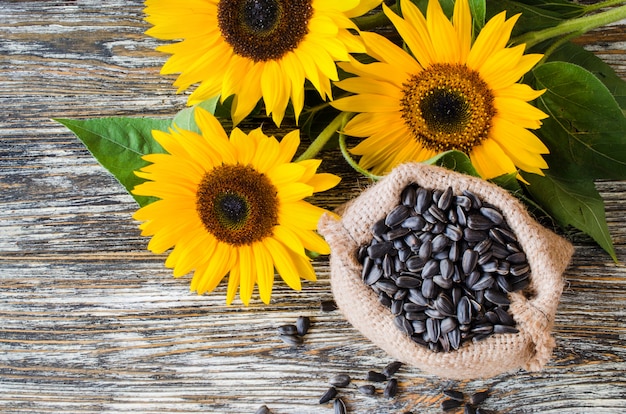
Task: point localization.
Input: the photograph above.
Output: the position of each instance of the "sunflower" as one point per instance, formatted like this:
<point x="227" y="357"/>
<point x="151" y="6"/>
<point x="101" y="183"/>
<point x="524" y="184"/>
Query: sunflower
<point x="255" y="48"/>
<point x="232" y="205"/>
<point x="449" y="94"/>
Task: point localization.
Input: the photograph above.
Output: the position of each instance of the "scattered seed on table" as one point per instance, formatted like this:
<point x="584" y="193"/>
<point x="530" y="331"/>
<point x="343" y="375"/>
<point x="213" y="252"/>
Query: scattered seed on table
<point x="293" y="340"/>
<point x="288" y="329"/>
<point x="454" y="394"/>
<point x="339" y="406"/>
<point x="367" y="389"/>
<point x="391" y="389"/>
<point x="263" y="410"/>
<point x="478" y="397"/>
<point x="448" y="405"/>
<point x="328" y="306"/>
<point x="468" y="409"/>
<point x="303" y="323"/>
<point x="328" y="395"/>
<point x="375" y="376"/>
<point x="340" y="380"/>
<point x="391" y="368"/>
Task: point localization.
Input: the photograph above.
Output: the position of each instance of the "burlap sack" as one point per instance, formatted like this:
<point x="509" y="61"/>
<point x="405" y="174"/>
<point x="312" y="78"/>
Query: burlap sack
<point x="548" y="255"/>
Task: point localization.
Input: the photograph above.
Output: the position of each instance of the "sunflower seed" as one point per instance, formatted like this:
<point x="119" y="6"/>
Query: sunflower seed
<point x="414" y="223"/>
<point x="303" y="323"/>
<point x="404" y="325"/>
<point x="504" y="329"/>
<point x="423" y="200"/>
<point x="454" y="337"/>
<point x="263" y="410"/>
<point x="476" y="203"/>
<point x="397" y="216"/>
<point x="429" y="290"/>
<point x="454" y="394"/>
<point x="468" y="409"/>
<point x="496" y="297"/>
<point x="328" y="306"/>
<point x="391" y="368"/>
<point x="450" y="404"/>
<point x="328" y="395"/>
<point x="415" y="264"/>
<point x="339" y="406"/>
<point x="292" y="340"/>
<point x="288" y="329"/>
<point x="408" y="282"/>
<point x="425" y="249"/>
<point x="464" y="311"/>
<point x="376" y="376"/>
<point x="478" y="397"/>
<point x="408" y="196"/>
<point x="391" y="389"/>
<point x="503" y="317"/>
<point x="448" y="325"/>
<point x="367" y="389"/>
<point x="445" y="200"/>
<point x="340" y="380"/>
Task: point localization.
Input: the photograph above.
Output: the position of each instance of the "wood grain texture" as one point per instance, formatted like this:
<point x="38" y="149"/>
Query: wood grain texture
<point x="92" y="322"/>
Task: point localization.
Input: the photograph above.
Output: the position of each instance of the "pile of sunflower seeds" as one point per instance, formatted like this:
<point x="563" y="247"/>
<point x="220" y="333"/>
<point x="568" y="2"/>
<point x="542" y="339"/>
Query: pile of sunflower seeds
<point x="443" y="263"/>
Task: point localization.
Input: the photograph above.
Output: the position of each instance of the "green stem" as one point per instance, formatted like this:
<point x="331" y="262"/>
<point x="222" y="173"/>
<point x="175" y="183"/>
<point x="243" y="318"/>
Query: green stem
<point x="321" y="140"/>
<point x="578" y="25"/>
<point x="597" y="6"/>
<point x="350" y="160"/>
<point x="372" y="21"/>
<point x="554" y="46"/>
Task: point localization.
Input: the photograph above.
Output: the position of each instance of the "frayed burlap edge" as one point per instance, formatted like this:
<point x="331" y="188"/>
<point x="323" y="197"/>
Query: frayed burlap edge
<point x="548" y="256"/>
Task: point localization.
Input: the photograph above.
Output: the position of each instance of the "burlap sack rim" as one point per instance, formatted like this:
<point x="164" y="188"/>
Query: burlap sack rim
<point x="530" y="349"/>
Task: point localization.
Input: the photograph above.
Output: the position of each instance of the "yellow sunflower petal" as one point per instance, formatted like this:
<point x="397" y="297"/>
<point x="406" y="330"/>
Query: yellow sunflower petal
<point x="493" y="37"/>
<point x="284" y="264"/>
<point x="367" y="102"/>
<point x="288" y="146"/>
<point x="442" y="33"/>
<point x="414" y="31"/>
<point x="265" y="271"/>
<point x="244" y="146"/>
<point x="294" y="192"/>
<point x="462" y="21"/>
<point x="289" y="239"/>
<point x="233" y="284"/>
<point x="323" y="182"/>
<point x="221" y="262"/>
<point x="247" y="272"/>
<point x="490" y="161"/>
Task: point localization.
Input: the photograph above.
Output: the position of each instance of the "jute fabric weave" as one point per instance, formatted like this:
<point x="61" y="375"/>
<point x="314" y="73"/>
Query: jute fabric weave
<point x="533" y="310"/>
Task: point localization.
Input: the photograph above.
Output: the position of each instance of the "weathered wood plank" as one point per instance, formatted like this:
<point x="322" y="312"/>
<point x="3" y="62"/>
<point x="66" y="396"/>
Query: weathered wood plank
<point x="92" y="322"/>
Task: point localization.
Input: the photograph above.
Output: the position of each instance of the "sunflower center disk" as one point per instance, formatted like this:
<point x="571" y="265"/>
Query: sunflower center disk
<point x="260" y="15"/>
<point x="263" y="30"/>
<point x="447" y="107"/>
<point x="237" y="204"/>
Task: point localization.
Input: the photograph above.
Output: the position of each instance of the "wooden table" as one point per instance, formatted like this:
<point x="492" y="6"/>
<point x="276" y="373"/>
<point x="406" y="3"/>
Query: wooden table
<point x="90" y="321"/>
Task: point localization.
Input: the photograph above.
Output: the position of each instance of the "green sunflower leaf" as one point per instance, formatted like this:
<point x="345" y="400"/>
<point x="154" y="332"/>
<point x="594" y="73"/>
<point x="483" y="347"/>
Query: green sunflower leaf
<point x="454" y="160"/>
<point x="573" y="53"/>
<point x="586" y="129"/>
<point x="184" y="119"/>
<point x="118" y="145"/>
<point x="535" y="14"/>
<point x="479" y="12"/>
<point x="573" y="202"/>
